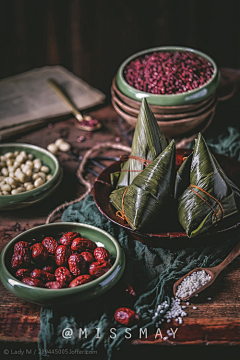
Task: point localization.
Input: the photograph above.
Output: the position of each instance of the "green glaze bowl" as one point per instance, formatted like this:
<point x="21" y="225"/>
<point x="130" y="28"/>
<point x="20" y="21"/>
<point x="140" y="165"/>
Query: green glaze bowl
<point x="85" y="292"/>
<point x="10" y="202"/>
<point x="189" y="97"/>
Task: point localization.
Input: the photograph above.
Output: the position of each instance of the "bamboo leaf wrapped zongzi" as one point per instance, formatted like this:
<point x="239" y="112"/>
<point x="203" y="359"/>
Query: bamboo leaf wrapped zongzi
<point x="204" y="192"/>
<point x="148" y="142"/>
<point x="150" y="193"/>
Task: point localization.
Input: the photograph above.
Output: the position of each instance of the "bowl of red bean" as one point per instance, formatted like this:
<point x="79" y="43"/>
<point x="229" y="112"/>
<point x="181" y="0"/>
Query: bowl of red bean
<point x="168" y="76"/>
<point x="61" y="263"/>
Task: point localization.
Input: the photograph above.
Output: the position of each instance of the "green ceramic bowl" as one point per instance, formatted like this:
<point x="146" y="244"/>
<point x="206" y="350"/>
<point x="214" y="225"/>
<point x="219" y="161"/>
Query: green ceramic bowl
<point x="189" y="97"/>
<point x="10" y="202"/>
<point x="80" y="293"/>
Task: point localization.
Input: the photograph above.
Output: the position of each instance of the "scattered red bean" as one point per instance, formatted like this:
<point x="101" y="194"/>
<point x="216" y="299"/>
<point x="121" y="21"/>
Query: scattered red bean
<point x="126" y="316"/>
<point x="168" y="72"/>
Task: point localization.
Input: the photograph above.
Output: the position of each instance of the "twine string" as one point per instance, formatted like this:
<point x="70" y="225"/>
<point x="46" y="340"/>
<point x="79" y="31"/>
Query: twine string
<point x="120" y="213"/>
<point x="215" y="213"/>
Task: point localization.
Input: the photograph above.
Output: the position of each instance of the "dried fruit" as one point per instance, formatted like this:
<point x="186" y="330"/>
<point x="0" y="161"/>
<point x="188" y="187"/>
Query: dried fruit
<point x="88" y="257"/>
<point x="55" y="285"/>
<point x="101" y="254"/>
<point x="77" y="264"/>
<point x="62" y="254"/>
<point x="21" y="255"/>
<point x="33" y="282"/>
<point x="97" y="269"/>
<point x="81" y="244"/>
<point x="50" y="244"/>
<point x="42" y="275"/>
<point x="126" y="316"/>
<point x="67" y="238"/>
<point x="39" y="253"/>
<point x="80" y="280"/>
<point x="49" y="268"/>
<point x="22" y="273"/>
<point x="63" y="275"/>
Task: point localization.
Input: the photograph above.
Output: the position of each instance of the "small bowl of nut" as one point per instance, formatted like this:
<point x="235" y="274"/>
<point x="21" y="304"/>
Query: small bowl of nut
<point x="61" y="263"/>
<point x="28" y="174"/>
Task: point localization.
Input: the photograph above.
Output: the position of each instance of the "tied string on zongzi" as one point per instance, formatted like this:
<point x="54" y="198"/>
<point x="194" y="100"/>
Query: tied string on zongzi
<point x="120" y="213"/>
<point x="214" y="211"/>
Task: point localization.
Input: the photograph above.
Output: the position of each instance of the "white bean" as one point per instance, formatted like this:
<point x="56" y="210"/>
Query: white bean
<point x="59" y="141"/>
<point x="45" y="169"/>
<point x="18" y="190"/>
<point x="29" y="187"/>
<point x="8" y="155"/>
<point x="64" y="146"/>
<point x="30" y="156"/>
<point x="29" y="163"/>
<point x="52" y="148"/>
<point x="38" y="182"/>
<point x="49" y="177"/>
<point x="6" y="187"/>
<point x="4" y="171"/>
<point x="5" y="192"/>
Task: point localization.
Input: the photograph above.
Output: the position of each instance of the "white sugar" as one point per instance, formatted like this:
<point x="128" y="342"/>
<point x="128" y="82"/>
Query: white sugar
<point x="192" y="283"/>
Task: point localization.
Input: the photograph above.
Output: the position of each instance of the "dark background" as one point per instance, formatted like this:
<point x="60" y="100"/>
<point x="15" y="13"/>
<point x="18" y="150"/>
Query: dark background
<point x="92" y="38"/>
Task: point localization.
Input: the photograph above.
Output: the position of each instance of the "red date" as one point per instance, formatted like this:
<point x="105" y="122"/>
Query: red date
<point x="63" y="275"/>
<point x="81" y="244"/>
<point x="49" y="268"/>
<point x="97" y="269"/>
<point x="62" y="254"/>
<point x="55" y="285"/>
<point x="126" y="316"/>
<point x="39" y="253"/>
<point x="77" y="264"/>
<point x="101" y="254"/>
<point x="88" y="257"/>
<point x="80" y="280"/>
<point x="33" y="282"/>
<point x="22" y="273"/>
<point x="50" y="244"/>
<point x="21" y="257"/>
<point x="42" y="275"/>
<point x="67" y="238"/>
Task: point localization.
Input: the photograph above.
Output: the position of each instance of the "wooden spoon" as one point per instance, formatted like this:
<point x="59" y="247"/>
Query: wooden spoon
<point x="82" y="121"/>
<point x="213" y="272"/>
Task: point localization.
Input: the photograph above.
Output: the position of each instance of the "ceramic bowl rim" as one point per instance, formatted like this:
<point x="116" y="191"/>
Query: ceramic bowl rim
<point x="41" y="187"/>
<point x="165" y="96"/>
<point x="66" y="290"/>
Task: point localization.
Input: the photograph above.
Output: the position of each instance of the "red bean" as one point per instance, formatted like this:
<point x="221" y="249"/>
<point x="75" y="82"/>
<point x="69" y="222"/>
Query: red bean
<point x="168" y="72"/>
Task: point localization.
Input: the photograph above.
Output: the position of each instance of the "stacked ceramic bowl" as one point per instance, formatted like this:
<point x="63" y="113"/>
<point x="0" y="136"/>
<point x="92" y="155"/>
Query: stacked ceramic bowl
<point x="180" y="112"/>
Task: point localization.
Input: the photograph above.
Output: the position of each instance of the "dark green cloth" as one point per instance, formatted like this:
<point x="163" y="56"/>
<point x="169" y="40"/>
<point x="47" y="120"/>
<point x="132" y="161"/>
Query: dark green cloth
<point x="151" y="271"/>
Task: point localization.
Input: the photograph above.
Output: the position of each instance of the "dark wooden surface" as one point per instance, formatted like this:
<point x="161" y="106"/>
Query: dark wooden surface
<point x="214" y="322"/>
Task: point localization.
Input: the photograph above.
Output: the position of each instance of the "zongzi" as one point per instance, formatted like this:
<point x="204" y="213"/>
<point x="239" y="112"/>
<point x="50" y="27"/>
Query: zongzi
<point x="148" y="142"/>
<point x="146" y="199"/>
<point x="205" y="194"/>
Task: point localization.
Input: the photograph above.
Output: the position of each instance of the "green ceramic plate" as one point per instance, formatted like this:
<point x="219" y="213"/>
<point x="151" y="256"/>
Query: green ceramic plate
<point x="10" y="202"/>
<point x="68" y="295"/>
<point x="189" y="97"/>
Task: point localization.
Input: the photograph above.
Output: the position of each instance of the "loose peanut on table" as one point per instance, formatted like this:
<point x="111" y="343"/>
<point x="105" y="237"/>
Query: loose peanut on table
<point x="20" y="172"/>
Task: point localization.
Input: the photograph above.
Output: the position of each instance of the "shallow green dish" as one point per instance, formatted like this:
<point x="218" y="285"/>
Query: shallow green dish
<point x="10" y="202"/>
<point x="189" y="97"/>
<point x="68" y="296"/>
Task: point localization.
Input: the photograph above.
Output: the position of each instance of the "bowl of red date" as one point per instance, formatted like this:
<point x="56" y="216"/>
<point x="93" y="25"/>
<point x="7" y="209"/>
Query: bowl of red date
<point x="61" y="263"/>
<point x="168" y="76"/>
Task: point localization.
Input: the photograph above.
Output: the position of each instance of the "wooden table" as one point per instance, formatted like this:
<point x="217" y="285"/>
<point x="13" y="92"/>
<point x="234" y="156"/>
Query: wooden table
<point x="214" y="322"/>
